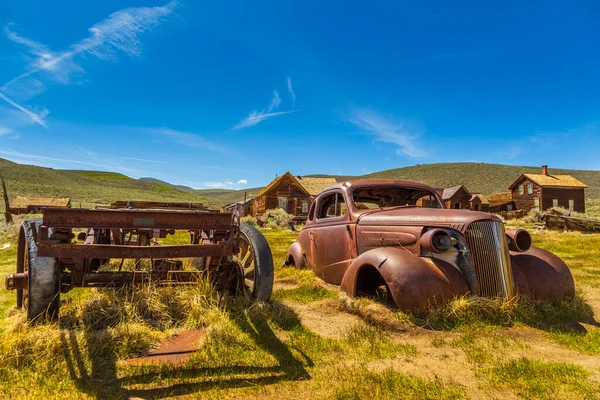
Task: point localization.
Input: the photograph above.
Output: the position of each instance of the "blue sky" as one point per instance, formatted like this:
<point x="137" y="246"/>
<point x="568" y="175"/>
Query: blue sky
<point x="229" y="94"/>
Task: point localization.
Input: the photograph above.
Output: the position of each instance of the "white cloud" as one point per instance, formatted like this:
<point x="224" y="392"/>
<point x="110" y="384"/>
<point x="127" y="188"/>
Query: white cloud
<point x="291" y="90"/>
<point x="5" y="131"/>
<point x="217" y="185"/>
<point x="387" y="131"/>
<point x="119" y="33"/>
<point x="37" y="118"/>
<point x="257" y="117"/>
<point x="242" y="182"/>
<point x="184" y="138"/>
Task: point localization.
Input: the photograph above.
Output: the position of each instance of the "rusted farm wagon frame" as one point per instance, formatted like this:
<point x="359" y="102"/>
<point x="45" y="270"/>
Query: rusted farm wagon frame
<point x="235" y="257"/>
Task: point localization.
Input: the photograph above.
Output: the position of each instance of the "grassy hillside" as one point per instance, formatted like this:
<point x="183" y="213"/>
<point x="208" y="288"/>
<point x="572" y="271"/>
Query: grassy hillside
<point x="480" y="177"/>
<point x="86" y="187"/>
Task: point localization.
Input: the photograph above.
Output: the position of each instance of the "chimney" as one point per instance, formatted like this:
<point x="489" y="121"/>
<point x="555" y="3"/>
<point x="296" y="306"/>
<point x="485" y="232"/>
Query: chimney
<point x="544" y="170"/>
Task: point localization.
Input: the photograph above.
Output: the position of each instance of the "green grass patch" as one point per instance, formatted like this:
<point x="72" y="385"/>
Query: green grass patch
<point x="588" y="343"/>
<point x="304" y="294"/>
<point x="531" y="379"/>
<point x="360" y="383"/>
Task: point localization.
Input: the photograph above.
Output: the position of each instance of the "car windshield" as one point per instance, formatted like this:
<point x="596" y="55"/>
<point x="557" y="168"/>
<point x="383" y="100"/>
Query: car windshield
<point x="393" y="196"/>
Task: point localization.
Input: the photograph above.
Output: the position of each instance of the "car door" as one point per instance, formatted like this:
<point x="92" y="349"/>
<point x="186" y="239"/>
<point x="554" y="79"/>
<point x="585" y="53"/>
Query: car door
<point x="330" y="238"/>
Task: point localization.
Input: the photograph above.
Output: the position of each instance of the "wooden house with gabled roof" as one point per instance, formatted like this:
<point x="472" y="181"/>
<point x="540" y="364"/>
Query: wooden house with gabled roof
<point x="457" y="197"/>
<point x="28" y="205"/>
<point x="544" y="191"/>
<point x="291" y="193"/>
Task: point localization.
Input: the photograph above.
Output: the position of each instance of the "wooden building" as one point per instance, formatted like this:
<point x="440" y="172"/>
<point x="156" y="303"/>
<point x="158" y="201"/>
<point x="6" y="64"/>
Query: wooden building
<point x="246" y="207"/>
<point x="292" y="193"/>
<point x="543" y="191"/>
<point x="479" y="202"/>
<point x="457" y="197"/>
<point x="501" y="202"/>
<point x="29" y="205"/>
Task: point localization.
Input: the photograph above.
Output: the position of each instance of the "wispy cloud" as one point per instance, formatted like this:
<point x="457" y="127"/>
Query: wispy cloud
<point x="25" y="156"/>
<point x="387" y="131"/>
<point x="144" y="160"/>
<point x="118" y="34"/>
<point x="242" y="182"/>
<point x="185" y="138"/>
<point x="257" y="117"/>
<point x="217" y="185"/>
<point x="5" y="131"/>
<point x="291" y="90"/>
<point x="37" y="118"/>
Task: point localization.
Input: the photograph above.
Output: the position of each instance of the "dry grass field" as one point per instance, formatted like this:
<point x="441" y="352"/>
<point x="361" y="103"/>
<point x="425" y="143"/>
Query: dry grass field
<point x="310" y="341"/>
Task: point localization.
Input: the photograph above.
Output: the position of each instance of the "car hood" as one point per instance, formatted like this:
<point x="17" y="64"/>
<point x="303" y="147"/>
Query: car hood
<point x="415" y="216"/>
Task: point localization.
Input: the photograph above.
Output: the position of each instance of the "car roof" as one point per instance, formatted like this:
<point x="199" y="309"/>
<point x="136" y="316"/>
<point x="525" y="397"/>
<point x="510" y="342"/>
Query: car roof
<point x="379" y="182"/>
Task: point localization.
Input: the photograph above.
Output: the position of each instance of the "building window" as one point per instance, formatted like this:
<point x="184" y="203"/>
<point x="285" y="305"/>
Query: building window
<point x="304" y="207"/>
<point x="521" y="189"/>
<point x="554" y="202"/>
<point x="282" y="202"/>
<point x="571" y="205"/>
<point x="536" y="204"/>
<point x="509" y="207"/>
<point x="530" y="188"/>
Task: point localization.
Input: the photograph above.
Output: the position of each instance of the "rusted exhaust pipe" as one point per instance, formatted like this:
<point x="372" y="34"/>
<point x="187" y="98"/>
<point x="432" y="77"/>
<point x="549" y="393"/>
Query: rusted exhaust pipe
<point x="518" y="240"/>
<point x="16" y="281"/>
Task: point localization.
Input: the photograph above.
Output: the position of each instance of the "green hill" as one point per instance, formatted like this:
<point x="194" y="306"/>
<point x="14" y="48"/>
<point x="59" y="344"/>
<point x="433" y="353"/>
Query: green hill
<point x="480" y="177"/>
<point x="88" y="188"/>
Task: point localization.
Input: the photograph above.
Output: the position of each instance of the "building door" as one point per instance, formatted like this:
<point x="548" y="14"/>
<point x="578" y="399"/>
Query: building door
<point x="476" y="207"/>
<point x="282" y="202"/>
<point x="571" y="205"/>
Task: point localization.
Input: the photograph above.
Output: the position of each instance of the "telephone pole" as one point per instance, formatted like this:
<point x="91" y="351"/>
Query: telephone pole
<point x="7" y="214"/>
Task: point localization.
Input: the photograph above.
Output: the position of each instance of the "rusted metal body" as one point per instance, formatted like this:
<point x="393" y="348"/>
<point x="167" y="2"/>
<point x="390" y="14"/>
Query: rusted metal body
<point x="52" y="259"/>
<point x="369" y="237"/>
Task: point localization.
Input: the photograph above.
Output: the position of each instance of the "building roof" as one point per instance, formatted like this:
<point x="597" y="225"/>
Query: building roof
<point x="314" y="186"/>
<point x="549" y="180"/>
<point x="496" y="199"/>
<point x="275" y="181"/>
<point x="451" y="191"/>
<point x="249" y="202"/>
<point x="24" y="202"/>
<point x="481" y="197"/>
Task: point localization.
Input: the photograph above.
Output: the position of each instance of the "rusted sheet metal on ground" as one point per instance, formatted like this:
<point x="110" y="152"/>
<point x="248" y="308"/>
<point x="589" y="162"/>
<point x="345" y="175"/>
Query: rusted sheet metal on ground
<point x="174" y="351"/>
<point x="130" y="219"/>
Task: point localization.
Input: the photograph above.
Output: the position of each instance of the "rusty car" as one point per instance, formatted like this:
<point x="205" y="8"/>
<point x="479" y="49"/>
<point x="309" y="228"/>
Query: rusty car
<point x="72" y="248"/>
<point x="395" y="240"/>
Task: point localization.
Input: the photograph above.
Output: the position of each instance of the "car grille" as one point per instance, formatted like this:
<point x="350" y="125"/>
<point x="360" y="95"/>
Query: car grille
<point x="489" y="250"/>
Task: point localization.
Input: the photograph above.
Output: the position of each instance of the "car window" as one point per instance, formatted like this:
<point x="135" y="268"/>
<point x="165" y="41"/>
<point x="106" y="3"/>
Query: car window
<point x="393" y="196"/>
<point x="311" y="213"/>
<point x="331" y="206"/>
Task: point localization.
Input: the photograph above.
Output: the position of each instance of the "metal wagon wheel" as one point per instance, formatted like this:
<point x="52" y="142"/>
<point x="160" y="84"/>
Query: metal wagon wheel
<point x="41" y="298"/>
<point x="255" y="257"/>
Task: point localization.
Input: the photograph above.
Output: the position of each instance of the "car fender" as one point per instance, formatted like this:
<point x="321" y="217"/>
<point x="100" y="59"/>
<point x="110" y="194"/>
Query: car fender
<point x="413" y="281"/>
<point x="539" y="274"/>
<point x="295" y="252"/>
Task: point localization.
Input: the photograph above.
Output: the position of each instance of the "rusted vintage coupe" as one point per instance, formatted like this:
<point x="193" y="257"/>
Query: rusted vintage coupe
<point x="394" y="239"/>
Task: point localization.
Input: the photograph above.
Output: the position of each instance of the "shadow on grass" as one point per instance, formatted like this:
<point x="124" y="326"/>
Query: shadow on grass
<point x="102" y="380"/>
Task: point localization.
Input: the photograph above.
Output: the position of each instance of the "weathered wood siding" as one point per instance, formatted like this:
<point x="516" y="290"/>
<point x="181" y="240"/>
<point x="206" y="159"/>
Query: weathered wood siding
<point x="526" y="201"/>
<point x="563" y="195"/>
<point x="285" y="188"/>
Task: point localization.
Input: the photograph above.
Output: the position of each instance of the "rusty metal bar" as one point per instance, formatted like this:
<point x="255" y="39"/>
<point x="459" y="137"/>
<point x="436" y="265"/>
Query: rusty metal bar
<point x="132" y="219"/>
<point x="119" y="251"/>
<point x="105" y="278"/>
